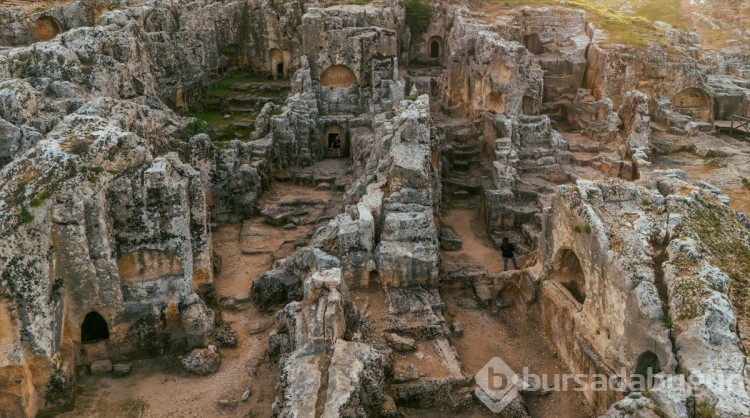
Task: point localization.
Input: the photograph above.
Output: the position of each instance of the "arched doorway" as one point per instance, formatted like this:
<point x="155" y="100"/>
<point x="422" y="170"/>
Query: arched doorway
<point x="94" y="328"/>
<point x="436" y="47"/>
<point x="569" y="273"/>
<point x="46" y="28"/>
<point x="337" y="76"/>
<point x="276" y="57"/>
<point x="646" y="366"/>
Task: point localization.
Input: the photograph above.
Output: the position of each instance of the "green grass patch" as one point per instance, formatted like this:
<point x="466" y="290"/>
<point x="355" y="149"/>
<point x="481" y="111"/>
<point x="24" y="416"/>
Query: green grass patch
<point x="39" y="199"/>
<point x="634" y="30"/>
<point x="668" y="11"/>
<point x="726" y="239"/>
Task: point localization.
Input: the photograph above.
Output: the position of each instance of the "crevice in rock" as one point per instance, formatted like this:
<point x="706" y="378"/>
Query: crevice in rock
<point x="661" y="256"/>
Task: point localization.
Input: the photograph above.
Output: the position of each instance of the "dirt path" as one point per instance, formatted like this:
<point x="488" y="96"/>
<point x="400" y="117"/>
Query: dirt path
<point x="476" y="248"/>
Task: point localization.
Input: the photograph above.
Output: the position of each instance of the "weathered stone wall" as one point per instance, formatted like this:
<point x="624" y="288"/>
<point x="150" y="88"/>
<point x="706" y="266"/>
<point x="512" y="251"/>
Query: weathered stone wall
<point x="633" y="246"/>
<point x="80" y="201"/>
<point x="488" y="73"/>
<point x="611" y="72"/>
<point x="345" y="41"/>
<point x="621" y="315"/>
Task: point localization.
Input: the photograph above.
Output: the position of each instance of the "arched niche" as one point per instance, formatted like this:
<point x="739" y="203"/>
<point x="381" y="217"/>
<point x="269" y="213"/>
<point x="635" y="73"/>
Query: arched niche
<point x="569" y="273"/>
<point x="436" y="47"/>
<point x="338" y="76"/>
<point x="94" y="328"/>
<point x="144" y="265"/>
<point x="46" y="28"/>
<point x="693" y="101"/>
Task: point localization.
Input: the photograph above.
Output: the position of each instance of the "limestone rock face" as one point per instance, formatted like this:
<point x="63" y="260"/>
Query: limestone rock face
<point x="607" y="241"/>
<point x="284" y="283"/>
<point x="356" y="384"/>
<point x="595" y="119"/>
<point x="613" y="71"/>
<point x="94" y="223"/>
<point x="635" y="118"/>
<point x="407" y="254"/>
<point x="354" y="371"/>
<point x="503" y="73"/>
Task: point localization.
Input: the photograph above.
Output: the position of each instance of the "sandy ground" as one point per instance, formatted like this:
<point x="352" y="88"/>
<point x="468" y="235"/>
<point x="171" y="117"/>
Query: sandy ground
<point x="159" y="387"/>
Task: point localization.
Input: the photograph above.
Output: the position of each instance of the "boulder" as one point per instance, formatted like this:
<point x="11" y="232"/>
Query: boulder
<point x="284" y="283"/>
<point x="121" y="369"/>
<point x="101" y="367"/>
<point x="399" y="343"/>
<point x="202" y="361"/>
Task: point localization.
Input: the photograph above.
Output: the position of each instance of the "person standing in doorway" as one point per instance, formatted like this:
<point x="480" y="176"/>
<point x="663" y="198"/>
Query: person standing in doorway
<point x="337" y="146"/>
<point x="508" y="251"/>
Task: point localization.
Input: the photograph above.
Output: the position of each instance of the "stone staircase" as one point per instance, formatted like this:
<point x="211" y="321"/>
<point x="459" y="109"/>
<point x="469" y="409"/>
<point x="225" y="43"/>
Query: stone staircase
<point x="234" y="101"/>
<point x="462" y="162"/>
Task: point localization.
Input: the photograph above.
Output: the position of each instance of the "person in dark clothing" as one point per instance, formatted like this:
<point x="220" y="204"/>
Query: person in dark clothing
<point x="508" y="252"/>
<point x="337" y="146"/>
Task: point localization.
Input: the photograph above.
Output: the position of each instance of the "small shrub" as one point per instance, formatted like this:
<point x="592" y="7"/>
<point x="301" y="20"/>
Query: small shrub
<point x="79" y="147"/>
<point x="277" y="111"/>
<point x="358" y="2"/>
<point x="25" y="217"/>
<point x="577" y="229"/>
<point x="412" y="98"/>
<point x="746" y="182"/>
<point x="193" y="128"/>
<point x="418" y="15"/>
<point x="587" y="229"/>
<point x="645" y="202"/>
<point x="37" y="201"/>
<point x="666" y="318"/>
<point x="705" y="410"/>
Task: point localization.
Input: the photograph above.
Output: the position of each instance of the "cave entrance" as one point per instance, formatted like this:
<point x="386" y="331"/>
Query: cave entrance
<point x="569" y="273"/>
<point x="279" y="69"/>
<point x="436" y="47"/>
<point x="646" y="366"/>
<point x="94" y="329"/>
